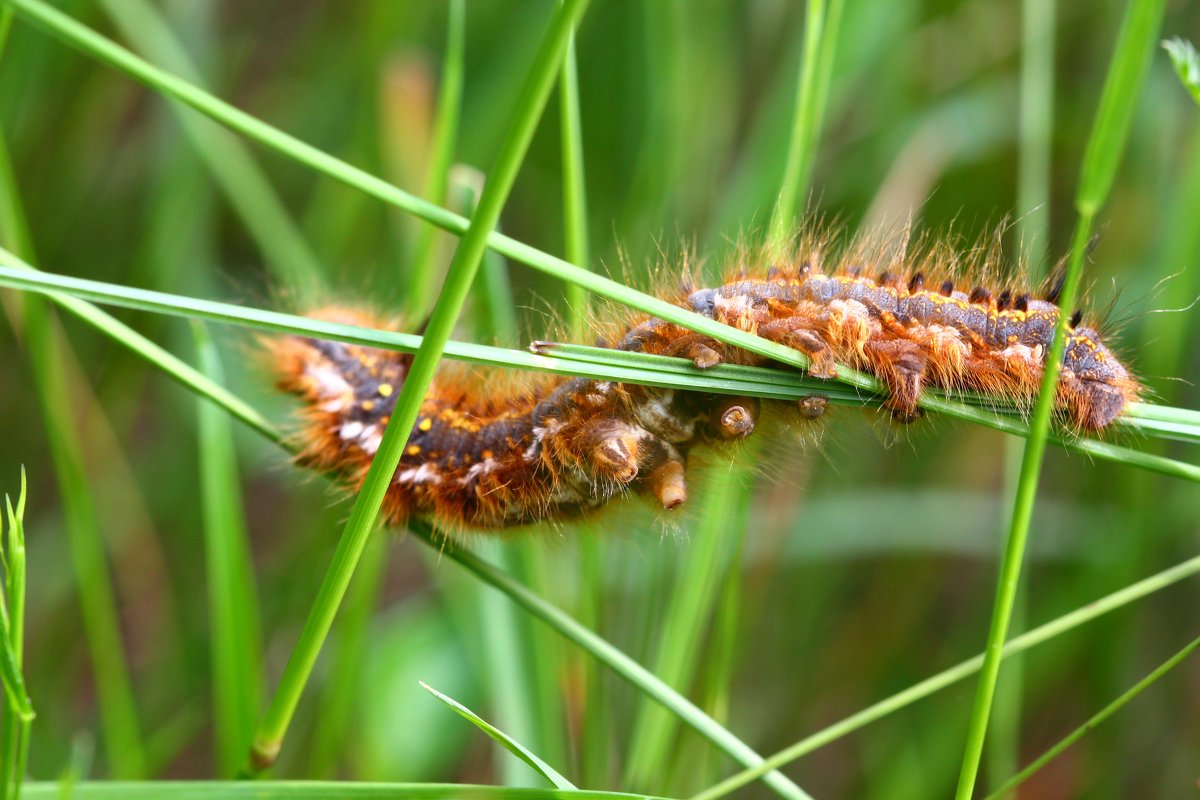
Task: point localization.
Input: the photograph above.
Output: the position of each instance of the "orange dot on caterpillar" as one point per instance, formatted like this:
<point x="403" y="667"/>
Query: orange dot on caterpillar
<point x="486" y="459"/>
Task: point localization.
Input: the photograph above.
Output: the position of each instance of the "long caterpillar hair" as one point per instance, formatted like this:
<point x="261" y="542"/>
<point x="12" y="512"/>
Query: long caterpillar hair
<point x="482" y="457"/>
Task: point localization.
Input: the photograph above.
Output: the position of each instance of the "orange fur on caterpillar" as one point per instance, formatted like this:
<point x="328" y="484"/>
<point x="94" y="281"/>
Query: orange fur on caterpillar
<point x="491" y="459"/>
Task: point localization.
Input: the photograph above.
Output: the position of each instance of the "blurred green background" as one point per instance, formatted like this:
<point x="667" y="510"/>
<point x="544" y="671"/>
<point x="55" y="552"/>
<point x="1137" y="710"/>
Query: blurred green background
<point x="850" y="567"/>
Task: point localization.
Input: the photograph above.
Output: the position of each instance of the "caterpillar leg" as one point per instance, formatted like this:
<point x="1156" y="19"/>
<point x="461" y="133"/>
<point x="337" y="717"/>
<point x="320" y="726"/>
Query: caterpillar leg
<point x="800" y="334"/>
<point x="901" y="365"/>
<point x="664" y="467"/>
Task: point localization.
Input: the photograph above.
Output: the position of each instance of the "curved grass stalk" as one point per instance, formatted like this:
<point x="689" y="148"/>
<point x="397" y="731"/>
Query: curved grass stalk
<point x="604" y="364"/>
<point x="1104" y="148"/>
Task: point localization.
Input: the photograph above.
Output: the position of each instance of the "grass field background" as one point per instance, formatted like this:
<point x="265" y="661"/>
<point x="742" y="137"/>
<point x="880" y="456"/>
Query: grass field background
<point x="815" y="576"/>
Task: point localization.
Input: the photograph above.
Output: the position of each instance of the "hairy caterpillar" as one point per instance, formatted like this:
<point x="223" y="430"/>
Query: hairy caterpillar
<point x="491" y="460"/>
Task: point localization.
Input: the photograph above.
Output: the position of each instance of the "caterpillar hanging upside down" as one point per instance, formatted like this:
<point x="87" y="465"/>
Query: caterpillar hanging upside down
<point x="483" y="458"/>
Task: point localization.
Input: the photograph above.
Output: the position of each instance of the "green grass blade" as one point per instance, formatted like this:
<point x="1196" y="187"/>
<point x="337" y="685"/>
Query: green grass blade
<point x="574" y="184"/>
<point x="12" y="612"/>
<point x="812" y="89"/>
<point x="46" y="346"/>
<point x="1093" y="721"/>
<point x="274" y="724"/>
<point x="419" y="292"/>
<point x="698" y="583"/>
<point x="948" y="677"/>
<point x="244" y="184"/>
<point x="583" y="361"/>
<point x="619" y="662"/>
<point x="306" y="790"/>
<point x="1035" y="128"/>
<point x="232" y="599"/>
<point x="1121" y="90"/>
<point x="335" y="709"/>
<point x="512" y="745"/>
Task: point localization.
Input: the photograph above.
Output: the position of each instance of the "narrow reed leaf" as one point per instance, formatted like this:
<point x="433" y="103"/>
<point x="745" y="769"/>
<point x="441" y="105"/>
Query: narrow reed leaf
<point x="633" y="672"/>
<point x="1187" y="64"/>
<point x="1121" y="90"/>
<point x="232" y="598"/>
<point x="1019" y="644"/>
<point x="306" y="790"/>
<point x="574" y="184"/>
<point x="688" y="615"/>
<point x="274" y="724"/>
<point x="421" y="271"/>
<point x="1057" y="749"/>
<point x="48" y="349"/>
<point x="584" y="361"/>
<point x="242" y="181"/>
<point x="512" y="745"/>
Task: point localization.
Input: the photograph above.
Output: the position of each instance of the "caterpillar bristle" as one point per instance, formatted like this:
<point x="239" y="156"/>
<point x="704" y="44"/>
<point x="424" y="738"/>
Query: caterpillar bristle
<point x="483" y="455"/>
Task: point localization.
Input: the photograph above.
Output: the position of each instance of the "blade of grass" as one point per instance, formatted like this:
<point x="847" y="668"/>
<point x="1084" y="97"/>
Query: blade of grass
<point x="1121" y="90"/>
<point x="512" y="745"/>
<point x="812" y="89"/>
<point x="274" y="724"/>
<point x="619" y="662"/>
<point x="306" y="790"/>
<point x="1093" y="721"/>
<point x="1035" y="124"/>
<point x="232" y="598"/>
<point x="575" y="230"/>
<point x="437" y="177"/>
<point x="18" y="713"/>
<point x="593" y="711"/>
<point x="697" y="584"/>
<point x="243" y="183"/>
<point x="336" y="707"/>
<point x="45" y="343"/>
<point x="766" y="382"/>
<point x="890" y="705"/>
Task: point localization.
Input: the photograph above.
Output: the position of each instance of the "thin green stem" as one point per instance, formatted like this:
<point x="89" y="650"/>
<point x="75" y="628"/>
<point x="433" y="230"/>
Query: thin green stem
<point x="419" y="292"/>
<point x="948" y="677"/>
<point x="616" y="660"/>
<point x="242" y="181"/>
<point x="575" y="231"/>
<point x="1105" y="145"/>
<point x="274" y="724"/>
<point x="233" y="603"/>
<point x="595" y="362"/>
<point x="1093" y="721"/>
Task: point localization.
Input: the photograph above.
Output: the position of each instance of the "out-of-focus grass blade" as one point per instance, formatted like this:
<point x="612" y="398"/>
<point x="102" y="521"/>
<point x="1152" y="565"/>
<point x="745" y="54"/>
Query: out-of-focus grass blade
<point x="1019" y="644"/>
<point x="236" y="638"/>
<point x="619" y="662"/>
<point x="1122" y="87"/>
<point x="1187" y="64"/>
<point x="687" y="618"/>
<point x="245" y="186"/>
<point x="1101" y="715"/>
<point x="512" y="745"/>
<point x="421" y="271"/>
<point x="306" y="790"/>
<point x="45" y="343"/>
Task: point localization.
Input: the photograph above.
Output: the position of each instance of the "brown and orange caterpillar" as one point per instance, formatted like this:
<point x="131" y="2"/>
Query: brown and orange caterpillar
<point x="493" y="459"/>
